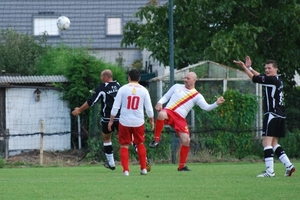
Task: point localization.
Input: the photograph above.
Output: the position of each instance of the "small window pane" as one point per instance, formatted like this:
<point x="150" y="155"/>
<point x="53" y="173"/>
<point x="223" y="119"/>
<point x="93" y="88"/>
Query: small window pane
<point x="114" y="26"/>
<point x="42" y="25"/>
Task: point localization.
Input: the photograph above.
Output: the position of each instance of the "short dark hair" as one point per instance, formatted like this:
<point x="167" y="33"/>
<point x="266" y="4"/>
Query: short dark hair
<point x="273" y="62"/>
<point x="134" y="75"/>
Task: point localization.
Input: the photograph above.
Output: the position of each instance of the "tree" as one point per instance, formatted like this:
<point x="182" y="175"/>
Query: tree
<point x="221" y="30"/>
<point x="19" y="52"/>
<point x="83" y="72"/>
<point x="80" y="68"/>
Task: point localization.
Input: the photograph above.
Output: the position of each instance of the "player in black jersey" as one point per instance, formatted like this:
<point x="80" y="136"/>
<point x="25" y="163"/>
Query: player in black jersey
<point x="106" y="92"/>
<point x="274" y="115"/>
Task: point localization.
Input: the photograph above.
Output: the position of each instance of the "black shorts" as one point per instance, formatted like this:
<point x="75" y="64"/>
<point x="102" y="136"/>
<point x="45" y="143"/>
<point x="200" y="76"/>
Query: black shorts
<point x="114" y="127"/>
<point x="274" y="126"/>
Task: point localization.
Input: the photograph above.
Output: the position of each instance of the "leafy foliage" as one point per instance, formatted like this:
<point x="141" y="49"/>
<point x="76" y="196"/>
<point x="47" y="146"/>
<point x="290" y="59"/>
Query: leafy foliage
<point x="292" y="108"/>
<point x="2" y="162"/>
<point x="229" y="129"/>
<point x="20" y="52"/>
<point x="80" y="68"/>
<point x="291" y="143"/>
<point x="221" y="30"/>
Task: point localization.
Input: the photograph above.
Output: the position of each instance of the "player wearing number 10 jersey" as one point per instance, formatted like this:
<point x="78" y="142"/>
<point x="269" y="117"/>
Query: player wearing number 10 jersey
<point x="131" y="100"/>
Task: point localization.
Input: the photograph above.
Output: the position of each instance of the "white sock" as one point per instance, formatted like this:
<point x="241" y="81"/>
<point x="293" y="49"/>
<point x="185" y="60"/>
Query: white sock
<point x="269" y="164"/>
<point x="110" y="159"/>
<point x="109" y="156"/>
<point x="285" y="160"/>
<point x="269" y="161"/>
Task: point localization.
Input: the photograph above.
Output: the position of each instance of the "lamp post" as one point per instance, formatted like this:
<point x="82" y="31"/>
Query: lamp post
<point x="171" y="65"/>
<point x="171" y="46"/>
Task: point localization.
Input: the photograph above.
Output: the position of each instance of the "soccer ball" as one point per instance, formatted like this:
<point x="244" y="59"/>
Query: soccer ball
<point x="63" y="23"/>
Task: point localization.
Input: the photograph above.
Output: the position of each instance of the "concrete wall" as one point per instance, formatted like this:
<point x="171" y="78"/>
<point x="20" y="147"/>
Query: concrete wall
<point x="25" y="115"/>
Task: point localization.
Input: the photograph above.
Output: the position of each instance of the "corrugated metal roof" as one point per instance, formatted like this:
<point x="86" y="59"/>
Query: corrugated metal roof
<point x="32" y="79"/>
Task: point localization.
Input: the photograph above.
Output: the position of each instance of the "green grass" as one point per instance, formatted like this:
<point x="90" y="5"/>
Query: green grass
<point x="205" y="181"/>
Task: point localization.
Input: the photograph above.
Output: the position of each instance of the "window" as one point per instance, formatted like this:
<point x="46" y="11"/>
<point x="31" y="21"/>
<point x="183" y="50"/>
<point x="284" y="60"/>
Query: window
<point x="113" y="26"/>
<point x="45" y="24"/>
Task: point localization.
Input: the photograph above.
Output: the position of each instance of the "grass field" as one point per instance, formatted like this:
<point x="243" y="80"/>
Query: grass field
<point x="205" y="181"/>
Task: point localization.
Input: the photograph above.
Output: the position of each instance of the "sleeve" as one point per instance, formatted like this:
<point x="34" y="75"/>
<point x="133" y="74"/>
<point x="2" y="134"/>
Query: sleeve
<point x="201" y="102"/>
<point x="167" y="95"/>
<point x="263" y="79"/>
<point x="95" y="97"/>
<point x="117" y="103"/>
<point x="148" y="105"/>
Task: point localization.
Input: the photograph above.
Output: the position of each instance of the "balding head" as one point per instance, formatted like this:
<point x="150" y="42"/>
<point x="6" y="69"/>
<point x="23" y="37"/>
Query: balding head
<point x="190" y="79"/>
<point x="193" y="75"/>
<point x="106" y="76"/>
<point x="107" y="72"/>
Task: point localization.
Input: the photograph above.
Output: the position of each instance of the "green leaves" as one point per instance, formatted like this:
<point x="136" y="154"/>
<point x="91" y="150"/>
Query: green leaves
<point x="20" y="52"/>
<point x="221" y="31"/>
<point x="229" y="129"/>
<point x="81" y="69"/>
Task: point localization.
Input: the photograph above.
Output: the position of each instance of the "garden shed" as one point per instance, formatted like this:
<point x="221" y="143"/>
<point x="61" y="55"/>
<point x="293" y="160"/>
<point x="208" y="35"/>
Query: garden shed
<point x="30" y="106"/>
<point x="213" y="80"/>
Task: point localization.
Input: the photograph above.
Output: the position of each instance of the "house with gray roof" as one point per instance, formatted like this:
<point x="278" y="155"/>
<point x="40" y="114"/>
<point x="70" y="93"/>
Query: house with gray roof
<point x="30" y="104"/>
<point x="96" y="24"/>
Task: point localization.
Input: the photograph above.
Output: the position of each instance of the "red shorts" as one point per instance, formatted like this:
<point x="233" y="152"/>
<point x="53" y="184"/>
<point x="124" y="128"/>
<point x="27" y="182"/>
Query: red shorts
<point x="127" y="134"/>
<point x="177" y="122"/>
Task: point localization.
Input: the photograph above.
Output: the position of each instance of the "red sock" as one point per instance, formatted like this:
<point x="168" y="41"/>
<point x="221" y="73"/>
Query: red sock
<point x="184" y="151"/>
<point x="158" y="128"/>
<point x="142" y="155"/>
<point x="124" y="155"/>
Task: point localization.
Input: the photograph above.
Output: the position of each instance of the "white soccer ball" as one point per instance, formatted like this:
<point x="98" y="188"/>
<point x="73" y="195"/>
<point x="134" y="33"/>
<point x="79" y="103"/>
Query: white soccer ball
<point x="63" y="23"/>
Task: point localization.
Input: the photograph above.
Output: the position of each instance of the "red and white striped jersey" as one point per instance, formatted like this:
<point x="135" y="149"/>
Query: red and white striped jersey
<point x="182" y="100"/>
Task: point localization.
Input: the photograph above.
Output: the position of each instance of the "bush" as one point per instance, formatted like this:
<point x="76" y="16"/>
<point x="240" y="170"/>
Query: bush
<point x="19" y="52"/>
<point x="2" y="163"/>
<point x="290" y="143"/>
<point x="229" y="129"/>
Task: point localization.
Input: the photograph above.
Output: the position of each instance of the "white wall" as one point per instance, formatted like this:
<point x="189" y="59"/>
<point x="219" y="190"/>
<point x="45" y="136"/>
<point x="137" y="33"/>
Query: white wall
<point x="129" y="56"/>
<point x="157" y="68"/>
<point x="24" y="115"/>
<point x="110" y="56"/>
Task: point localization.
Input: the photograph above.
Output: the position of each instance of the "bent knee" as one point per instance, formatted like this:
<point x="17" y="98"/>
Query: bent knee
<point x="162" y="115"/>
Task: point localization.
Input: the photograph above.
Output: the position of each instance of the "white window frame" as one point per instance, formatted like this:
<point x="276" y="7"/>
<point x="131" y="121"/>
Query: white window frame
<point x="113" y="25"/>
<point x="45" y="24"/>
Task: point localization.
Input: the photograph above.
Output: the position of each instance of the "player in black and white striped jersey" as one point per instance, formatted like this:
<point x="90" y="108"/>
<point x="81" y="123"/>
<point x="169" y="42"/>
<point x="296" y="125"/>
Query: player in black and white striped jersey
<point x="274" y="115"/>
<point x="105" y="93"/>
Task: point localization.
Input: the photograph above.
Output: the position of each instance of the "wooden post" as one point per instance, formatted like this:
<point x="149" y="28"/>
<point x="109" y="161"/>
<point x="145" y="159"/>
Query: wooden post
<point x="42" y="143"/>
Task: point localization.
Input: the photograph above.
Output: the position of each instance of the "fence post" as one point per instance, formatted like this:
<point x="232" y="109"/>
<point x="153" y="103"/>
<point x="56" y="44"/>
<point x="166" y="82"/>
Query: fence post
<point x="42" y="142"/>
<point x="174" y="146"/>
<point x="6" y="143"/>
<point x="79" y="132"/>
